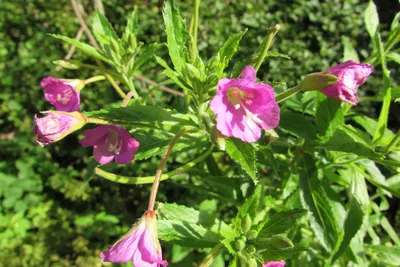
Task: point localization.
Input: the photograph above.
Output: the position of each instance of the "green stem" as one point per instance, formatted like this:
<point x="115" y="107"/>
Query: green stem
<point x="287" y="93"/>
<point x="131" y="86"/>
<point x="393" y="143"/>
<point x="111" y="79"/>
<point x="194" y="28"/>
<point x="94" y="79"/>
<point x="208" y="260"/>
<point x="265" y="45"/>
<point x="150" y="179"/>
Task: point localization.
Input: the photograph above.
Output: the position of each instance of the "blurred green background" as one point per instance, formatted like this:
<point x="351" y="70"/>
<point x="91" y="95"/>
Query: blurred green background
<point x="53" y="211"/>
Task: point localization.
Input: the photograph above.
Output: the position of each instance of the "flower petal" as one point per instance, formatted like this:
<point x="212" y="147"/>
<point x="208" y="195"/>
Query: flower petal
<point x="95" y="136"/>
<point x="101" y="154"/>
<point x="249" y="73"/>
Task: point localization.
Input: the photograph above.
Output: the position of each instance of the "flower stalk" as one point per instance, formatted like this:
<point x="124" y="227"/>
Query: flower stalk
<point x="157" y="179"/>
<point x="288" y="93"/>
<point x="94" y="79"/>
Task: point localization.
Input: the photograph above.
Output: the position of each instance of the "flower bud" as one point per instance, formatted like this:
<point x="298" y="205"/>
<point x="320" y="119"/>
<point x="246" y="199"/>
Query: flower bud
<point x="318" y="81"/>
<point x="252" y="234"/>
<point x="270" y="136"/>
<point x="240" y="245"/>
<point x="246" y="224"/>
<point x="251" y="249"/>
<point x="55" y="125"/>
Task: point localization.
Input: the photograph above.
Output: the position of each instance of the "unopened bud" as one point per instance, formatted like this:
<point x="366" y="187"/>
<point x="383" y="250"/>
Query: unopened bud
<point x="251" y="249"/>
<point x="318" y="81"/>
<point x="270" y="136"/>
<point x="240" y="245"/>
<point x="246" y="224"/>
<point x="252" y="234"/>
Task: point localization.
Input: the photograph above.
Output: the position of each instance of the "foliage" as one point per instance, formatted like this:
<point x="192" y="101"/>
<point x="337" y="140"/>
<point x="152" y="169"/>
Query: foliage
<point x="327" y="189"/>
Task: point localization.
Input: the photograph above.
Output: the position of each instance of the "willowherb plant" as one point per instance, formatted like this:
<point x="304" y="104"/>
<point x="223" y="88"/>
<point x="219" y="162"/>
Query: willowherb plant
<point x="315" y="142"/>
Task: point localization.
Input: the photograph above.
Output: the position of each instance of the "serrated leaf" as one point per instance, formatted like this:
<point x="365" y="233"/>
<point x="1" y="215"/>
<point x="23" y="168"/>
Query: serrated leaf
<point x="146" y="53"/>
<point x="276" y="54"/>
<point x="349" y="139"/>
<point x="349" y="52"/>
<point x="274" y="254"/>
<point x="187" y="234"/>
<point x="250" y="206"/>
<point x="282" y="221"/>
<point x="102" y="29"/>
<point x="356" y="212"/>
<point x="243" y="154"/>
<point x="329" y="116"/>
<point x="229" y="48"/>
<point x="314" y="198"/>
<point x="297" y="124"/>
<point x="132" y="23"/>
<point x="144" y="116"/>
<point x="177" y="34"/>
<point x="90" y="50"/>
<point x="371" y="19"/>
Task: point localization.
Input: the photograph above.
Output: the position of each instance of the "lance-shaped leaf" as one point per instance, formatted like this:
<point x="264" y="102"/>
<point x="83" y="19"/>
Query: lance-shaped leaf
<point x="329" y="116"/>
<point x="90" y="50"/>
<point x="315" y="199"/>
<point x="227" y="51"/>
<point x="297" y="124"/>
<point x="146" y="53"/>
<point x="384" y="254"/>
<point x="282" y="221"/>
<point x="349" y="139"/>
<point x="371" y="19"/>
<point x="243" y="154"/>
<point x="144" y="116"/>
<point x="356" y="211"/>
<point x="102" y="30"/>
<point x="187" y="234"/>
<point x="177" y="34"/>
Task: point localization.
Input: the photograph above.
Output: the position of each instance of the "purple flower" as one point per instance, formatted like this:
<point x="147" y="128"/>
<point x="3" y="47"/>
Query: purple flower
<point x="274" y="263"/>
<point x="351" y="75"/>
<point x="63" y="94"/>
<point x="110" y="141"/>
<point x="242" y="106"/>
<point x="139" y="245"/>
<point x="56" y="125"/>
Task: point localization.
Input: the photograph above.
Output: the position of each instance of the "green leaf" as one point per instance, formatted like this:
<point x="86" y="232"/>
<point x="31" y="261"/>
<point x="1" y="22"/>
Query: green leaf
<point x="385" y="254"/>
<point x="349" y="52"/>
<point x="274" y="242"/>
<point x="329" y="116"/>
<point x="187" y="234"/>
<point x="243" y="154"/>
<point x="144" y="116"/>
<point x="393" y="56"/>
<point x="390" y="231"/>
<point x="250" y="206"/>
<point x="314" y="198"/>
<point x="177" y="34"/>
<point x="102" y="29"/>
<point x="349" y="139"/>
<point x="371" y="19"/>
<point x="357" y="209"/>
<point x="297" y="124"/>
<point x="383" y="116"/>
<point x="90" y="50"/>
<point x="146" y="53"/>
<point x="282" y="221"/>
<point x="153" y="142"/>
<point x="276" y="54"/>
<point x="132" y="24"/>
<point x="275" y="254"/>
<point x="229" y="48"/>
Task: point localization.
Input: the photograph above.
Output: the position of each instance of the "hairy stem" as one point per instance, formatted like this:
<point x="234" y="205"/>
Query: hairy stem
<point x="287" y="93"/>
<point x="94" y="79"/>
<point x="156" y="183"/>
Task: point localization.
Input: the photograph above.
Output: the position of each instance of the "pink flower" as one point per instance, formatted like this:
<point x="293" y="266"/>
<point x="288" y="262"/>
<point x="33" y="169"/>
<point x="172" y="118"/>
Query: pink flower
<point x="139" y="245"/>
<point x="351" y="75"/>
<point x="242" y="106"/>
<point x="110" y="141"/>
<point x="274" y="263"/>
<point x="56" y="125"/>
<point x="63" y="94"/>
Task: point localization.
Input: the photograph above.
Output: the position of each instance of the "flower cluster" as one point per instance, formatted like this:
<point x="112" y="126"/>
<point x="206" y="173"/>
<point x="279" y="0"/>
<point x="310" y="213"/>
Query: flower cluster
<point x="242" y="107"/>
